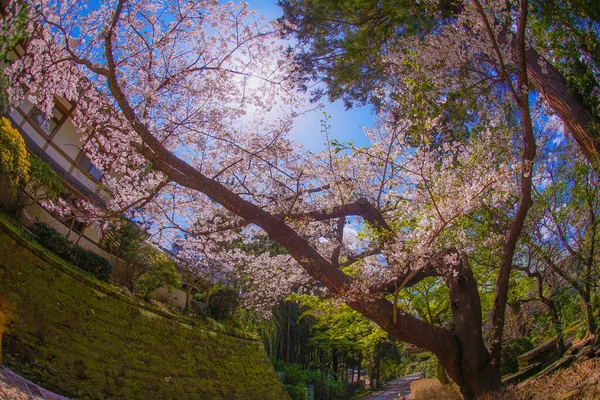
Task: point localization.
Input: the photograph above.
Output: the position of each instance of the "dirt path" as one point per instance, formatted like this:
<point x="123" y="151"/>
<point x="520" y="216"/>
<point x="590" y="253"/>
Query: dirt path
<point x="394" y="390"/>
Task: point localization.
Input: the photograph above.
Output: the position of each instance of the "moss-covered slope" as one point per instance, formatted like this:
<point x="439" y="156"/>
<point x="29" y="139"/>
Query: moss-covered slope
<point x="75" y="336"/>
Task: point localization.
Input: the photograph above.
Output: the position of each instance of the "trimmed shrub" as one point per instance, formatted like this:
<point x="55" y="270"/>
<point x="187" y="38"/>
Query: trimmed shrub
<point x="91" y="262"/>
<point x="85" y="259"/>
<point x="53" y="240"/>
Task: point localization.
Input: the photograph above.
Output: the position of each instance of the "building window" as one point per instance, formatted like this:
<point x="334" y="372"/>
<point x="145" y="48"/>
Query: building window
<point x="86" y="164"/>
<point x="48" y="126"/>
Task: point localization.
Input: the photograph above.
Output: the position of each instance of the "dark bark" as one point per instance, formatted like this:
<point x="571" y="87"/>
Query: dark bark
<point x="553" y="87"/>
<point x="560" y="340"/>
<point x="521" y="94"/>
<point x="588" y="309"/>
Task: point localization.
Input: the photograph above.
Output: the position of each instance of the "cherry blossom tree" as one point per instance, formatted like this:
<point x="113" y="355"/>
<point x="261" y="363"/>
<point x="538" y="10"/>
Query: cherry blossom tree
<point x="187" y="106"/>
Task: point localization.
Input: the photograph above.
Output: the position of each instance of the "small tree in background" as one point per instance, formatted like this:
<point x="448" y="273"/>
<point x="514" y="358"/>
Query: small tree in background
<point x="147" y="268"/>
<point x="153" y="270"/>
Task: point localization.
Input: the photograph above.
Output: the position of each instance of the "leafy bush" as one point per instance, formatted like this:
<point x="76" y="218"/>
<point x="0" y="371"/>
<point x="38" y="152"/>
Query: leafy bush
<point x="296" y="379"/>
<point x="85" y="259"/>
<point x="511" y="349"/>
<point x="297" y="392"/>
<point x="91" y="262"/>
<point x="53" y="240"/>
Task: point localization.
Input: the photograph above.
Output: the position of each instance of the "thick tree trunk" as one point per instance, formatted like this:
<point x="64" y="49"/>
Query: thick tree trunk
<point x="560" y="341"/>
<point x="589" y="312"/>
<point x="461" y="350"/>
<point x="552" y="85"/>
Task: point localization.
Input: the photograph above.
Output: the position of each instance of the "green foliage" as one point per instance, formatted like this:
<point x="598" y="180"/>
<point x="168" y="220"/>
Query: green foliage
<point x="124" y="239"/>
<point x="44" y="182"/>
<point x="11" y="33"/>
<point x="223" y="302"/>
<point x="91" y="262"/>
<point x="53" y="240"/>
<point x="3" y="94"/>
<point x="296" y="379"/>
<point x="147" y="267"/>
<point x="297" y="392"/>
<point x="424" y="362"/>
<point x="343" y="42"/>
<point x="14" y="162"/>
<point x="429" y="299"/>
<point x="511" y="349"/>
<point x="568" y="32"/>
<point x="85" y="259"/>
<point x="162" y="271"/>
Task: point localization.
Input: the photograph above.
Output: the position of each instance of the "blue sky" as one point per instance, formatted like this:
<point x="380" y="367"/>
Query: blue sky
<point x="346" y="125"/>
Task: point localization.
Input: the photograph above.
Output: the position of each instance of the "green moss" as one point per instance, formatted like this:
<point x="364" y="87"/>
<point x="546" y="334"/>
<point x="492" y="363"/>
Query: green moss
<point x="73" y="334"/>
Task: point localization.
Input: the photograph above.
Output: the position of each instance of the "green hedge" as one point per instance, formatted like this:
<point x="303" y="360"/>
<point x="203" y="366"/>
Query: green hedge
<point x="85" y="259"/>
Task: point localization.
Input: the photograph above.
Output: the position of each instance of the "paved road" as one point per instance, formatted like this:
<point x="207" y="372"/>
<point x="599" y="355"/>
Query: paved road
<point x="393" y="390"/>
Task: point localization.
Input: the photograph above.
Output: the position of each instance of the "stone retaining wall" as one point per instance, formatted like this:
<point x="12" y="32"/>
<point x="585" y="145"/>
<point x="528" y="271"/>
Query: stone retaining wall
<point x="77" y="337"/>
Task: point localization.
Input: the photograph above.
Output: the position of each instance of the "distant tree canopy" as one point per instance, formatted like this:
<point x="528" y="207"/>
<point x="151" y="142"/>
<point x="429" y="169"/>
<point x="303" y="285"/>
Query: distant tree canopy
<point x="347" y="46"/>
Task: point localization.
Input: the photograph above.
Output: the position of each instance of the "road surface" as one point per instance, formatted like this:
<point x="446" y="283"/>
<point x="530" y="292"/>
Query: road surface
<point x="394" y="389"/>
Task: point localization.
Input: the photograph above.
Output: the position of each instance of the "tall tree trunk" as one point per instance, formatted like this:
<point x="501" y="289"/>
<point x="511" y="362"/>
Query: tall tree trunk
<point x="460" y="350"/>
<point x="286" y="355"/>
<point x="552" y="85"/>
<point x="589" y="310"/>
<point x="560" y="341"/>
